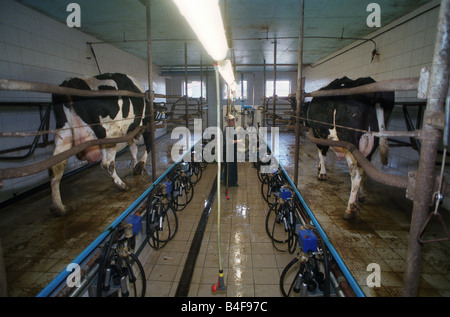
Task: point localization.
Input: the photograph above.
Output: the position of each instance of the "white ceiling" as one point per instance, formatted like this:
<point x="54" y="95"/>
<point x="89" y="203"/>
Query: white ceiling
<point x="253" y="27"/>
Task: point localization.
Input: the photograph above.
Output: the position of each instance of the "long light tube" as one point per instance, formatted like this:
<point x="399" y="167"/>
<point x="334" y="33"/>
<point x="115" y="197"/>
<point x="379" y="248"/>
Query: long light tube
<point x="226" y="71"/>
<point x="205" y="19"/>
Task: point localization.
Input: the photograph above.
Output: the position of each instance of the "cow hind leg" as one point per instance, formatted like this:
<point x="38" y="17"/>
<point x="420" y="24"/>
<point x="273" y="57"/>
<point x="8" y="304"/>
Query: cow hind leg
<point x="138" y="167"/>
<point x="108" y="164"/>
<point x="63" y="142"/>
<point x="361" y="195"/>
<point x="356" y="174"/>
<point x="321" y="171"/>
<point x="133" y="150"/>
<point x="56" y="173"/>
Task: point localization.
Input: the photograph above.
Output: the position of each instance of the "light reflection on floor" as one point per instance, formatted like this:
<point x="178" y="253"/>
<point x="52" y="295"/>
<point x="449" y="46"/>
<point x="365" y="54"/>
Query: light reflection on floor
<point x="38" y="246"/>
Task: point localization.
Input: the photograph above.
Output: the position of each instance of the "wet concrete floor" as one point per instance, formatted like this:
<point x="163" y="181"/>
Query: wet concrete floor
<point x="37" y="246"/>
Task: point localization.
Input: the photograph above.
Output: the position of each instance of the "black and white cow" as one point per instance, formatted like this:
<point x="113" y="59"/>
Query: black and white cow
<point x="80" y="119"/>
<point x="359" y="113"/>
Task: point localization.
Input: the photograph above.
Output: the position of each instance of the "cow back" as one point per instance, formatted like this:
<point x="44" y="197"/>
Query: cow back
<point x="349" y="115"/>
<point x="92" y="109"/>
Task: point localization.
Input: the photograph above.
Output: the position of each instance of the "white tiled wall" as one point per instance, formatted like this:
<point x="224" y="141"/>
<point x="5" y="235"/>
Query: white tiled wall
<point x="405" y="46"/>
<point x="34" y="47"/>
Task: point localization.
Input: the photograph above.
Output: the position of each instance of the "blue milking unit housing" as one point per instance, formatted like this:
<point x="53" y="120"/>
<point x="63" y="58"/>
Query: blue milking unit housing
<point x="169" y="187"/>
<point x="285" y="193"/>
<point x="133" y="219"/>
<point x="313" y="247"/>
<point x="136" y="221"/>
<point x="307" y="240"/>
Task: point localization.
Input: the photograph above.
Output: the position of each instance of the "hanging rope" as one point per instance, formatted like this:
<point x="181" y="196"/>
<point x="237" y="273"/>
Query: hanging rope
<point x="95" y="57"/>
<point x="438" y="197"/>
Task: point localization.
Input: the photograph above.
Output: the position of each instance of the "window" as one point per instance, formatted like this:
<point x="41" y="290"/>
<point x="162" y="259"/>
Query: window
<point x="283" y="88"/>
<point x="193" y="89"/>
<point x="238" y="91"/>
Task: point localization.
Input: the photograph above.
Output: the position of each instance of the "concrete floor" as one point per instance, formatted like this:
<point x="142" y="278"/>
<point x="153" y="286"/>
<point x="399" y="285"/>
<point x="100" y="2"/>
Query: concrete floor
<point x="38" y="246"/>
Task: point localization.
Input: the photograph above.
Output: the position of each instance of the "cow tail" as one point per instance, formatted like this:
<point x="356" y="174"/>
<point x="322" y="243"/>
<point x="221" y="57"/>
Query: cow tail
<point x="383" y="144"/>
<point x="384" y="150"/>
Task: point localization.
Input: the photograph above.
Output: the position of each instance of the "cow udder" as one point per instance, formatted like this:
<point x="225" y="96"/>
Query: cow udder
<point x="366" y="144"/>
<point x="92" y="154"/>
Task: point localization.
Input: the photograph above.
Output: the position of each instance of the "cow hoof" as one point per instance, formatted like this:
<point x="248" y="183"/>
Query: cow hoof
<point x="350" y="215"/>
<point x="139" y="169"/>
<point x="354" y="207"/>
<point x="322" y="177"/>
<point x="59" y="211"/>
<point x="123" y="187"/>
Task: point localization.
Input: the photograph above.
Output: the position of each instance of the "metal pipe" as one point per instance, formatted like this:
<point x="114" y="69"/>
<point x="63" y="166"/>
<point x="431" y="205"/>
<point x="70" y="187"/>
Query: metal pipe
<point x="186" y="84"/>
<point x="87" y="272"/>
<point x="376" y="175"/>
<point x="385" y="85"/>
<point x="44" y="123"/>
<point x="242" y="90"/>
<point x="21" y="171"/>
<point x="150" y="126"/>
<point x="264" y="95"/>
<point x="207" y="99"/>
<point x="170" y="67"/>
<point x="219" y="164"/>
<point x="3" y="284"/>
<point x="201" y="90"/>
<point x="298" y="94"/>
<point x="20" y="85"/>
<point x="337" y="288"/>
<point x="274" y="80"/>
<point x="253" y="91"/>
<point x="344" y="287"/>
<point x="437" y="90"/>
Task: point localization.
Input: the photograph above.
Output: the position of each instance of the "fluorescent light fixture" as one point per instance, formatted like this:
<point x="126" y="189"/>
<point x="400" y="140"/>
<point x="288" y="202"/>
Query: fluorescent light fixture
<point x="226" y="71"/>
<point x="205" y="19"/>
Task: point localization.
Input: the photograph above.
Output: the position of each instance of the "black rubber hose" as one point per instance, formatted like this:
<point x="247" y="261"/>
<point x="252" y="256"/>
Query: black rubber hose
<point x="283" y="276"/>
<point x="131" y="274"/>
<point x="104" y="257"/>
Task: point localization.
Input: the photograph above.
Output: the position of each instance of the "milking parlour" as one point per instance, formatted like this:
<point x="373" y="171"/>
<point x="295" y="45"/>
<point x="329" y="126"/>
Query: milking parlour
<point x="224" y="154"/>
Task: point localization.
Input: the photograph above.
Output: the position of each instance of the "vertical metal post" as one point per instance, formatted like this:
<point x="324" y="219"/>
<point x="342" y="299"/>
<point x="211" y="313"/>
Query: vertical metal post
<point x="186" y="84"/>
<point x="264" y="95"/>
<point x="3" y="285"/>
<point x="274" y="80"/>
<point x="253" y="90"/>
<point x="151" y="125"/>
<point x="298" y="93"/>
<point x="219" y="162"/>
<point x="207" y="98"/>
<point x="423" y="192"/>
<point x="242" y="90"/>
<point x="201" y="90"/>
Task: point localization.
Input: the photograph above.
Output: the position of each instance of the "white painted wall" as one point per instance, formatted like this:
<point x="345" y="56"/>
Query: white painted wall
<point x="34" y="47"/>
<point x="405" y="46"/>
<point x="255" y="81"/>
